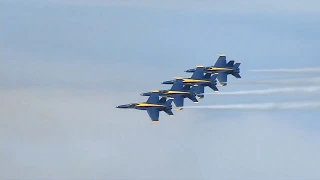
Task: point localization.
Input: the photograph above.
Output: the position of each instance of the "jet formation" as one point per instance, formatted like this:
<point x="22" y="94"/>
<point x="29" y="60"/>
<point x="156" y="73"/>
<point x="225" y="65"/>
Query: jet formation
<point x="191" y="88"/>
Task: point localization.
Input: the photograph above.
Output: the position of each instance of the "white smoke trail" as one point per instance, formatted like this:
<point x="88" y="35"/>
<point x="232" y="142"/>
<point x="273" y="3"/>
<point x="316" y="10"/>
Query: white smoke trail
<point x="272" y="91"/>
<point x="291" y="81"/>
<point x="298" y="70"/>
<point x="263" y="106"/>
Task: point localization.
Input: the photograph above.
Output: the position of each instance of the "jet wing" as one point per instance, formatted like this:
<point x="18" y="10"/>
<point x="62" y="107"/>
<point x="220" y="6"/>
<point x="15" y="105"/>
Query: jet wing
<point x="221" y="62"/>
<point x="177" y="85"/>
<point x="198" y="73"/>
<point x="199" y="90"/>
<point x="154" y="98"/>
<point x="178" y="100"/>
<point x="153" y="113"/>
<point x="223" y="78"/>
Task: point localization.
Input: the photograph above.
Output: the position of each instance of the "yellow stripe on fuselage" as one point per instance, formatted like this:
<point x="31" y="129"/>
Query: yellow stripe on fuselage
<point x="177" y="92"/>
<point x="218" y="69"/>
<point x="149" y="105"/>
<point x="195" y="81"/>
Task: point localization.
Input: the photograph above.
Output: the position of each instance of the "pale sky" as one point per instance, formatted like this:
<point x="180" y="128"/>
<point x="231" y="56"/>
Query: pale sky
<point x="66" y="65"/>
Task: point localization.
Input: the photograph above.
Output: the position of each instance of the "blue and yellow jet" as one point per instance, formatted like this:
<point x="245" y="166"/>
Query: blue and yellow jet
<point x="178" y="92"/>
<point x="153" y="106"/>
<point x="198" y="81"/>
<point x="223" y="69"/>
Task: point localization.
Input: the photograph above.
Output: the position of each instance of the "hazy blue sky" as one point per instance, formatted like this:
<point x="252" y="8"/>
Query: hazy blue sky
<point x="67" y="64"/>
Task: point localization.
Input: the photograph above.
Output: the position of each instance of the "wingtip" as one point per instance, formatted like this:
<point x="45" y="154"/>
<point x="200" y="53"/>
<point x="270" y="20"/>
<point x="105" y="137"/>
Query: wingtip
<point x="222" y="54"/>
<point x="155" y="91"/>
<point x="155" y="122"/>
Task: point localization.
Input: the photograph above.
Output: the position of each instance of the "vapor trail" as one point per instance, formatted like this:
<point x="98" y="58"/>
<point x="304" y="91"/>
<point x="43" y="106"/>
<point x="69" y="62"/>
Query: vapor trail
<point x="298" y="70"/>
<point x="272" y="91"/>
<point x="263" y="106"/>
<point x="291" y="81"/>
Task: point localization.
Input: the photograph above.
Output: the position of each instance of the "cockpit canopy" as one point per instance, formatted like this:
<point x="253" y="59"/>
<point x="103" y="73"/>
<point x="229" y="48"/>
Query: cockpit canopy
<point x="163" y="91"/>
<point x="132" y="104"/>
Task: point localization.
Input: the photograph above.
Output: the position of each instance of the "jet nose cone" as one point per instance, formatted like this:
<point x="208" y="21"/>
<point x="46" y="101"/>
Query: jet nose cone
<point x="189" y="70"/>
<point x="121" y="106"/>
<point x="166" y="82"/>
<point x="145" y="94"/>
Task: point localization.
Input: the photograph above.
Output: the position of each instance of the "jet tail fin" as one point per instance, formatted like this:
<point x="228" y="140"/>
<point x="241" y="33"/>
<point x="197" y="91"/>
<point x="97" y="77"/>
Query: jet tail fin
<point x="169" y="101"/>
<point x="236" y="65"/>
<point x="230" y="63"/>
<point x="207" y="76"/>
<point x="186" y="87"/>
<point x="162" y="100"/>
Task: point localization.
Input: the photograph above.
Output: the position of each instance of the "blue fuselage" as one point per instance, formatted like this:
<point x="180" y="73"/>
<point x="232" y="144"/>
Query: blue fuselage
<point x="213" y="69"/>
<point x="168" y="93"/>
<point x="144" y="106"/>
<point x="193" y="81"/>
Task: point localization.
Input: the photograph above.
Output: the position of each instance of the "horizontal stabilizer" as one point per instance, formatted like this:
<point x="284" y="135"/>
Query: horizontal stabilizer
<point x="214" y="88"/>
<point x="237" y="75"/>
<point x="169" y="112"/>
<point x="200" y="96"/>
<point x="193" y="98"/>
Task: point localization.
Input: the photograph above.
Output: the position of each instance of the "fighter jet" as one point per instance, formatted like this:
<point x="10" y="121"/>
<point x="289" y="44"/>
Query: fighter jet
<point x="178" y="92"/>
<point x="153" y="106"/>
<point x="198" y="81"/>
<point x="223" y="69"/>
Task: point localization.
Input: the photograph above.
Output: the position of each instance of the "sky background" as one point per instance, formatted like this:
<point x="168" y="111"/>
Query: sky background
<point x="67" y="64"/>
